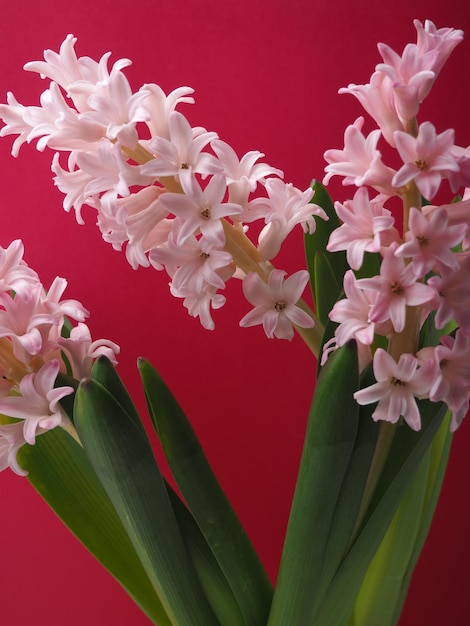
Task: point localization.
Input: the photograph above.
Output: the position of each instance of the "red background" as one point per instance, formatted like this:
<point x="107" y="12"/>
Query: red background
<point x="266" y="75"/>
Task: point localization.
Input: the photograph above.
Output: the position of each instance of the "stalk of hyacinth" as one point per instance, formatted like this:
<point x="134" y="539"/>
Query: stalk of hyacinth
<point x="421" y="272"/>
<point x="34" y="348"/>
<point x="179" y="199"/>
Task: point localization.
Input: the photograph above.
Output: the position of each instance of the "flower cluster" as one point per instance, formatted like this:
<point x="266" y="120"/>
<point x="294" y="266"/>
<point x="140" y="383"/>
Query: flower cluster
<point x="177" y="197"/>
<point x="424" y="268"/>
<point x="36" y="343"/>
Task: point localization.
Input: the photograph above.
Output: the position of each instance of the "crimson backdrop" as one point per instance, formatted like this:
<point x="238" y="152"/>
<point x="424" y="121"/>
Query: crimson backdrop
<point x="266" y="75"/>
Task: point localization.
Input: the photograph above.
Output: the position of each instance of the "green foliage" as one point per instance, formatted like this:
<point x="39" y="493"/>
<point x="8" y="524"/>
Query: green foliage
<point x="123" y="460"/>
<point x="326" y="269"/>
<point x="207" y="502"/>
<point x="406" y="454"/>
<point x="329" y="443"/>
<point x="61" y="473"/>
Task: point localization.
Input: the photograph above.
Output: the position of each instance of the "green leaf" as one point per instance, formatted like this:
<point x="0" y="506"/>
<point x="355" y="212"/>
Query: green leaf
<point x="61" y="473"/>
<point x="347" y="509"/>
<point x="207" y="501"/>
<point x="124" y="463"/>
<point x="323" y="228"/>
<point x="326" y="269"/>
<point x="370" y="265"/>
<point x="407" y="452"/>
<point x="439" y="456"/>
<point x="386" y="582"/>
<point x="328" y="284"/>
<point x="380" y="590"/>
<point x="106" y="375"/>
<point x="329" y="443"/>
<point x="213" y="581"/>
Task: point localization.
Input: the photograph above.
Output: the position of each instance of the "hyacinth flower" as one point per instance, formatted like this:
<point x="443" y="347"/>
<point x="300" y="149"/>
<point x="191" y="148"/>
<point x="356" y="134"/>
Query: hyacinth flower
<point x="389" y="327"/>
<point x="181" y="183"/>
<point x="37" y="343"/>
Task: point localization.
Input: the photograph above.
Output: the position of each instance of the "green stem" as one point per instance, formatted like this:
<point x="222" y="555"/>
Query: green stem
<point x="382" y="449"/>
<point x="246" y="256"/>
<point x="244" y="253"/>
<point x="400" y="343"/>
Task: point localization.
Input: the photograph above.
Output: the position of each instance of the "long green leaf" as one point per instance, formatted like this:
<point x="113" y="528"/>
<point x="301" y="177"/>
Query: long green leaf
<point x="61" y="472"/>
<point x="328" y="284"/>
<point x="212" y="579"/>
<point x="347" y="508"/>
<point x="385" y="585"/>
<point x="329" y="443"/>
<point x="326" y="269"/>
<point x="407" y="451"/>
<point x="439" y="456"/>
<point x="207" y="501"/>
<point x="124" y="463"/>
<point x="106" y="375"/>
<point x="380" y="590"/>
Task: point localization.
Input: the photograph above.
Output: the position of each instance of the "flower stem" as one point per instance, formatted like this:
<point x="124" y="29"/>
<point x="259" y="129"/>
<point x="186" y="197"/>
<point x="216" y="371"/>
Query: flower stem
<point x="14" y="370"/>
<point x="246" y="256"/>
<point x="400" y="343"/>
<point x="244" y="253"/>
<point x="382" y="449"/>
<point x="139" y="154"/>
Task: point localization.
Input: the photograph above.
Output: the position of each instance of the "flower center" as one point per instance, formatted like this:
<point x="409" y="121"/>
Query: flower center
<point x="422" y="241"/>
<point x="396" y="289"/>
<point x="184" y="166"/>
<point x="421" y="164"/>
<point x="396" y="382"/>
<point x="280" y="306"/>
<point x="204" y="255"/>
<point x="205" y="213"/>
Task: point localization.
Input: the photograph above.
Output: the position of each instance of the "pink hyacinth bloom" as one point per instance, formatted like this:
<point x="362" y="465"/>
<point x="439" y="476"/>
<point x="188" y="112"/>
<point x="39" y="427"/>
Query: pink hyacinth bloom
<point x="15" y="275"/>
<point x="25" y="322"/>
<point x="458" y="213"/>
<point x="66" y="69"/>
<point x="397" y="288"/>
<point x="360" y="162"/>
<point x="452" y="291"/>
<point x="200" y="210"/>
<point x="53" y="305"/>
<point x="427" y="158"/>
<point x="440" y="40"/>
<point x="452" y="374"/>
<point x="243" y="175"/>
<point x="58" y="126"/>
<point x="429" y="242"/>
<point x="159" y="106"/>
<point x="285" y="208"/>
<point x="460" y="178"/>
<point x="411" y="75"/>
<point x="199" y="304"/>
<point x="181" y="154"/>
<point x="378" y="99"/>
<point x="353" y="314"/>
<point x="366" y="227"/>
<point x="275" y="303"/>
<point x="397" y="387"/>
<point x="12" y="115"/>
<point x="38" y="404"/>
<point x="142" y="220"/>
<point x="82" y="351"/>
<point x="117" y="110"/>
<point x="11" y="440"/>
<point x="194" y="264"/>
